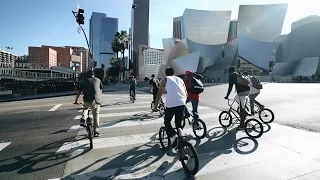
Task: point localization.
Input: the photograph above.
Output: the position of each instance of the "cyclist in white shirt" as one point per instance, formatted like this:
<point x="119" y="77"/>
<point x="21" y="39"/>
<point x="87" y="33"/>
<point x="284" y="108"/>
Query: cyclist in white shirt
<point x="252" y="94"/>
<point x="175" y="103"/>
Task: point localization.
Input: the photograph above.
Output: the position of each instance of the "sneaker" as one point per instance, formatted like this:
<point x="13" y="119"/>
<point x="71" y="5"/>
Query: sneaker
<point x="96" y="134"/>
<point x="240" y="128"/>
<point x="173" y="141"/>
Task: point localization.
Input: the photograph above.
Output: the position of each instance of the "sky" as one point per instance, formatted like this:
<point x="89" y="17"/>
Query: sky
<point x="50" y="22"/>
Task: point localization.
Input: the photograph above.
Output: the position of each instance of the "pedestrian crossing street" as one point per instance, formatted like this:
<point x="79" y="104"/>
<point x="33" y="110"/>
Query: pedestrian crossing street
<point x="128" y="147"/>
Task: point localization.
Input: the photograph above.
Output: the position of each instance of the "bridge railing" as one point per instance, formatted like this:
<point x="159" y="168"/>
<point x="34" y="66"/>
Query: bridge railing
<point x="35" y="75"/>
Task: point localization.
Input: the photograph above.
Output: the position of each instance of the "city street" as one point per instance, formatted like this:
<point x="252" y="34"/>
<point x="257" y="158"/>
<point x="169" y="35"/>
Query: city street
<point x="41" y="139"/>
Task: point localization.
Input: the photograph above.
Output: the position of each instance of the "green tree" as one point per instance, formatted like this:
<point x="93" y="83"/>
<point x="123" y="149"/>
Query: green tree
<point x="113" y="62"/>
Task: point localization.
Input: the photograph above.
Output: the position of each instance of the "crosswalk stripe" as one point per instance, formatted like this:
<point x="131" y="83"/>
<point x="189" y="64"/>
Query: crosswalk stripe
<point x="130" y="123"/>
<point x="117" y="141"/>
<point x="137" y="107"/>
<point x="4" y="145"/>
<point x="118" y="114"/>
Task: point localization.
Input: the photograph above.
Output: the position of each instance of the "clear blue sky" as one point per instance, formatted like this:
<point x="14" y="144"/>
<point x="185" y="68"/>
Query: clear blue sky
<point x="36" y="22"/>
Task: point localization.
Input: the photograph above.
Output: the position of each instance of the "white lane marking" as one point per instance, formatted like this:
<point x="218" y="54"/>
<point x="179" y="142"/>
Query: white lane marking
<point x="122" y="104"/>
<point x="137" y="107"/>
<point x="118" y="114"/>
<point x="55" y="107"/>
<point x="109" y="142"/>
<point x="138" y="122"/>
<point x="4" y="145"/>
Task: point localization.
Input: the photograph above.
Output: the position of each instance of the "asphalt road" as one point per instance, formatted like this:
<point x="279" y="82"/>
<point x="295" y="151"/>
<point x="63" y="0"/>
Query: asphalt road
<point x="295" y="105"/>
<point x="36" y="133"/>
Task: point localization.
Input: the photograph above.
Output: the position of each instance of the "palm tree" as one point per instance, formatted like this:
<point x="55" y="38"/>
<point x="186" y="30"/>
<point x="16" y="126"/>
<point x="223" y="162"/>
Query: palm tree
<point x="125" y="41"/>
<point x="116" y="44"/>
<point x="113" y="62"/>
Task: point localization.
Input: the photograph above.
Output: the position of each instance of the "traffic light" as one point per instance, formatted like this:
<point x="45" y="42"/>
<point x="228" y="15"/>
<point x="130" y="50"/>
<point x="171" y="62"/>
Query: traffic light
<point x="80" y="17"/>
<point x="94" y="63"/>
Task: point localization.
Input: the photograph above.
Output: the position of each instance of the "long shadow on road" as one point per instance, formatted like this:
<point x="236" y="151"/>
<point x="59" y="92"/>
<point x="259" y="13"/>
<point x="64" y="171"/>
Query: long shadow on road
<point x="136" y="160"/>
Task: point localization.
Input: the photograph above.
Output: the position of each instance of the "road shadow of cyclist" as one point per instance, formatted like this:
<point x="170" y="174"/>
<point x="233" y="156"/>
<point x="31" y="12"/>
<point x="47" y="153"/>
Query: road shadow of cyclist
<point x="42" y="158"/>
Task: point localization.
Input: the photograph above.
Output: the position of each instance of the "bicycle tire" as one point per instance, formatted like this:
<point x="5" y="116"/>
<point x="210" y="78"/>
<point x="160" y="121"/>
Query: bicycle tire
<point x="90" y="135"/>
<point x="194" y="154"/>
<point x="183" y="123"/>
<point x="194" y="125"/>
<point x="220" y="119"/>
<point x="247" y="130"/>
<point x="162" y="109"/>
<point x="272" y="115"/>
<point x="161" y="138"/>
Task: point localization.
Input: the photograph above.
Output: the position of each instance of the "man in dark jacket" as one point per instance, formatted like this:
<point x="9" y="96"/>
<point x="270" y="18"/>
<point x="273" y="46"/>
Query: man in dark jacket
<point x="242" y="93"/>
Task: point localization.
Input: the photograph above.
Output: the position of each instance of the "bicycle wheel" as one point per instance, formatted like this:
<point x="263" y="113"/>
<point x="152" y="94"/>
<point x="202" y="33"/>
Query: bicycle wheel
<point x="161" y="109"/>
<point x="90" y="134"/>
<point x="253" y="125"/>
<point x="265" y="113"/>
<point x="198" y="124"/>
<point x="225" y="117"/>
<point x="183" y="123"/>
<point x="186" y="156"/>
<point x="164" y="139"/>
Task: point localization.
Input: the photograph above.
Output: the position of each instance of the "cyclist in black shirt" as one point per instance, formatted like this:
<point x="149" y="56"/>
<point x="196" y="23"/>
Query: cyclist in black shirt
<point x="242" y="93"/>
<point x="154" y="86"/>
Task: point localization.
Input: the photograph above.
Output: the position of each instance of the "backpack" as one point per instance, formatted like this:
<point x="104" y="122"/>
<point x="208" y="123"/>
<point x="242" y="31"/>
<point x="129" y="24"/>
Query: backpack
<point x="256" y="82"/>
<point x="242" y="80"/>
<point x="196" y="85"/>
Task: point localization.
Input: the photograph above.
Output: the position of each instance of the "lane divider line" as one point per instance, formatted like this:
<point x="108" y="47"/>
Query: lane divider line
<point x="55" y="107"/>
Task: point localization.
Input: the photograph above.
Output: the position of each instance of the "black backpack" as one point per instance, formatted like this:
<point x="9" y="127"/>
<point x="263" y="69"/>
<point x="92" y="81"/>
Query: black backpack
<point x="196" y="85"/>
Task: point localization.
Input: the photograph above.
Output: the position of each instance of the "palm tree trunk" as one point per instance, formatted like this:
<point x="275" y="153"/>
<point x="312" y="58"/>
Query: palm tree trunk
<point x="123" y="68"/>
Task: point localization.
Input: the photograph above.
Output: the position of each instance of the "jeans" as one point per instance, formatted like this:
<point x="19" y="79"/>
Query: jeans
<point x="169" y="113"/>
<point x="252" y="98"/>
<point x="95" y="109"/>
<point x="242" y="97"/>
<point x="133" y="90"/>
<point x="194" y="108"/>
<point x="154" y="93"/>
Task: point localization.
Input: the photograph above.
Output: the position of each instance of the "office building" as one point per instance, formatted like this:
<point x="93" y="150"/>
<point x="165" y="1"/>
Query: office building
<point x="176" y="33"/>
<point x="101" y="34"/>
<point x="153" y="56"/>
<point x="304" y="21"/>
<point x="42" y="57"/>
<point x="84" y="53"/>
<point x="140" y="25"/>
<point x="7" y="59"/>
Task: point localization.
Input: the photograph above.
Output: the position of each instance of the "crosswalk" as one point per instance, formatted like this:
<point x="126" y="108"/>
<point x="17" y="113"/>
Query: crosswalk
<point x="128" y="147"/>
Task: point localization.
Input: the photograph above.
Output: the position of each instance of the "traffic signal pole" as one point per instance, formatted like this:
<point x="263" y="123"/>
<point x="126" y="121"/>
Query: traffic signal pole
<point x="77" y="16"/>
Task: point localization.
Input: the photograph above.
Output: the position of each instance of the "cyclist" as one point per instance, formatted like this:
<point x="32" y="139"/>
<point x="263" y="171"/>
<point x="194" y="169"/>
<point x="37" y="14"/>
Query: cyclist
<point x="254" y="92"/>
<point x="132" y="86"/>
<point x="92" y="92"/>
<point x="175" y="103"/>
<point x="192" y="97"/>
<point x="242" y="92"/>
<point x="154" y="86"/>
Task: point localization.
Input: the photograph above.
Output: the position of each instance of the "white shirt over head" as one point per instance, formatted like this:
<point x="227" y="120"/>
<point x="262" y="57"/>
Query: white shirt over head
<point x="176" y="92"/>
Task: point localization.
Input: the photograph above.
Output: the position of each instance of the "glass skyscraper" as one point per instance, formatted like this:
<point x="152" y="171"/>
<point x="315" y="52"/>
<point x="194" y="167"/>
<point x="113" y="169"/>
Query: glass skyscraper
<point x="102" y="31"/>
